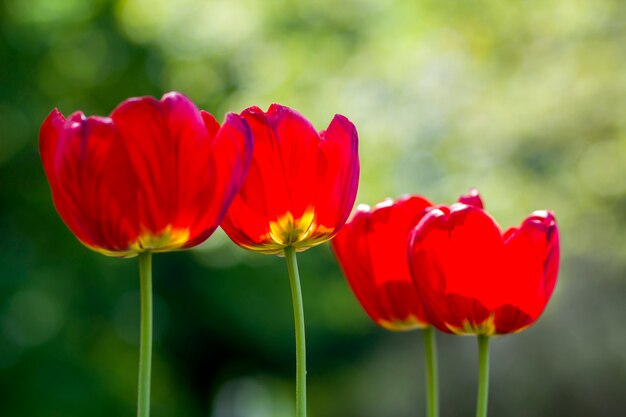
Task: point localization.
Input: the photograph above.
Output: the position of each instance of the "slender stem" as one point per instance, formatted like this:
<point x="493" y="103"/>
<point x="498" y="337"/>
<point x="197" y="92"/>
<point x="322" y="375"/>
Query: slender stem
<point x="145" y="348"/>
<point x="483" y="376"/>
<point x="432" y="383"/>
<point x="298" y="312"/>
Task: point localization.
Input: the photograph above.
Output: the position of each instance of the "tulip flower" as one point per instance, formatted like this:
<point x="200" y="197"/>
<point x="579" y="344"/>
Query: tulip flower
<point x="371" y="250"/>
<point x="475" y="279"/>
<point x="154" y="176"/>
<point x="301" y="185"/>
<point x="298" y="193"/>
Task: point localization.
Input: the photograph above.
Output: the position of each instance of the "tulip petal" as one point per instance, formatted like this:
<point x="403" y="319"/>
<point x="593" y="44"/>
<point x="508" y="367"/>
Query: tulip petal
<point x="297" y="144"/>
<point x="352" y="251"/>
<point x="463" y="315"/>
<point x="372" y="249"/>
<point x="282" y="174"/>
<point x="170" y="152"/>
<point x="338" y="173"/>
<point x="49" y="137"/>
<point x="231" y="152"/>
<point x="464" y="243"/>
<point x="530" y="263"/>
<point x="510" y="319"/>
<point x="472" y="199"/>
<point x="97" y="199"/>
<point x="263" y="196"/>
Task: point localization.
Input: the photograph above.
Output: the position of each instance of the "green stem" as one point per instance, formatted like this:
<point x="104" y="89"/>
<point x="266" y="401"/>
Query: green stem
<point x="483" y="376"/>
<point x="432" y="384"/>
<point x="298" y="312"/>
<point x="145" y="347"/>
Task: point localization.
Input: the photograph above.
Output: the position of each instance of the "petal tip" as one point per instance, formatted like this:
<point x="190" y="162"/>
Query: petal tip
<point x="543" y="218"/>
<point x="208" y="118"/>
<point x="54" y="118"/>
<point x="387" y="202"/>
<point x="472" y="198"/>
<point x="49" y="131"/>
<point x="240" y="123"/>
<point x="344" y="122"/>
<point x="363" y="208"/>
<point x="174" y="98"/>
<point x="173" y="95"/>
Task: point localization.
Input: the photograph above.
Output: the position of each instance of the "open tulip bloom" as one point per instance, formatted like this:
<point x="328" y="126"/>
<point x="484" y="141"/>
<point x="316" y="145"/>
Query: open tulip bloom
<point x="371" y="250"/>
<point x="476" y="280"/>
<point x="154" y="176"/>
<point x="298" y="193"/>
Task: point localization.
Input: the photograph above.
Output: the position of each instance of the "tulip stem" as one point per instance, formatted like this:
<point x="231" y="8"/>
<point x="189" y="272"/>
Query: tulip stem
<point x="432" y="385"/>
<point x="298" y="312"/>
<point x="145" y="347"/>
<point x="483" y="376"/>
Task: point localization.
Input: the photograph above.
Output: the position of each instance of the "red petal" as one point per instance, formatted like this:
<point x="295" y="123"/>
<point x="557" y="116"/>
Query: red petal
<point x="263" y="195"/>
<point x="467" y="247"/>
<point x="48" y="140"/>
<point x="170" y="151"/>
<point x="371" y="249"/>
<point x="449" y="256"/>
<point x="472" y="199"/>
<point x="92" y="183"/>
<point x="296" y="154"/>
<point x="530" y="263"/>
<point x="351" y="249"/>
<point x="281" y="177"/>
<point x="210" y="123"/>
<point x="461" y="315"/>
<point x="338" y="173"/>
<point x="451" y="313"/>
<point x="510" y="319"/>
<point x="388" y="236"/>
<point x="231" y="153"/>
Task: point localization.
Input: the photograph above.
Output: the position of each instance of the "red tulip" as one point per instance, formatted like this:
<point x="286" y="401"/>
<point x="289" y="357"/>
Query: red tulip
<point x="301" y="185"/>
<point x="474" y="279"/>
<point x="154" y="176"/>
<point x="371" y="250"/>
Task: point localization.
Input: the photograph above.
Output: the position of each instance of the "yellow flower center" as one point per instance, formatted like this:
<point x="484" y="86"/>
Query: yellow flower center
<point x="301" y="233"/>
<point x="486" y="328"/>
<point x="409" y="323"/>
<point x="167" y="240"/>
<point x="287" y="231"/>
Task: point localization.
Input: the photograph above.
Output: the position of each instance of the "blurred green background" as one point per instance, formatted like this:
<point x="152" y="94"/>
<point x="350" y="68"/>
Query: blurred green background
<point x="525" y="100"/>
